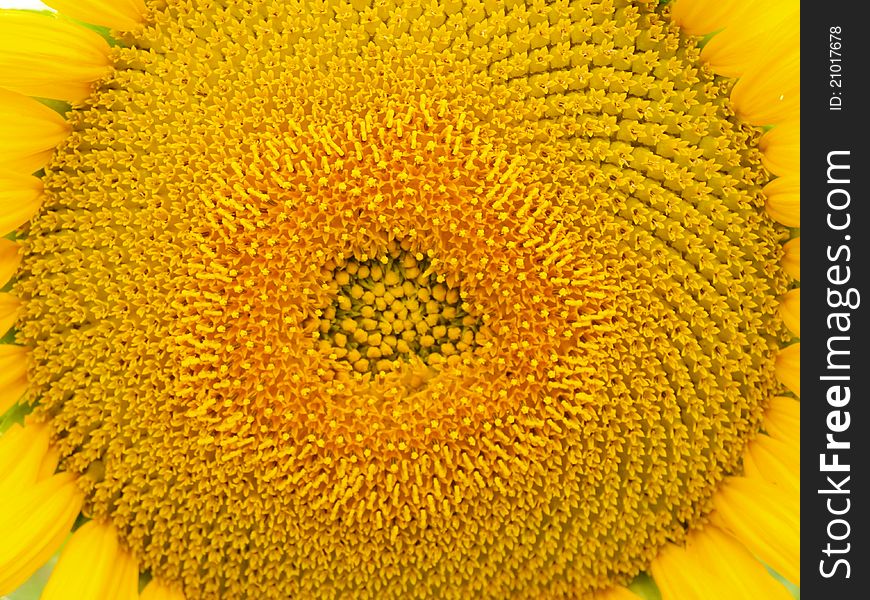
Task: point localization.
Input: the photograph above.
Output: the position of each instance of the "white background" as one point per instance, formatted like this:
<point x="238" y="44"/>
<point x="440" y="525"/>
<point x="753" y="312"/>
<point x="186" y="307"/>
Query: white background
<point x="22" y="4"/>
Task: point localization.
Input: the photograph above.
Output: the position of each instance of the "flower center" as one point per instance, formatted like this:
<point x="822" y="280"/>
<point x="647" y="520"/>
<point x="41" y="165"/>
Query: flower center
<point x="391" y="309"/>
<point x="402" y="300"/>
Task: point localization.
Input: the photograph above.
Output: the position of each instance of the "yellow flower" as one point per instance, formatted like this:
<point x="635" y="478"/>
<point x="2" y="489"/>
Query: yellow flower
<point x="379" y="299"/>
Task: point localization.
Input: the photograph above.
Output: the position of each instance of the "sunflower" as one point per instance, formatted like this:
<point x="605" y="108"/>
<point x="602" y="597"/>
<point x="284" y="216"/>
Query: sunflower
<point x="394" y="300"/>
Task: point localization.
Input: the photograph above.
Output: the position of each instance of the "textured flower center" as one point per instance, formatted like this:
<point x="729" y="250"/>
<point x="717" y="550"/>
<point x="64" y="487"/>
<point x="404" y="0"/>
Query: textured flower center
<point x="389" y="310"/>
<point x="402" y="300"/>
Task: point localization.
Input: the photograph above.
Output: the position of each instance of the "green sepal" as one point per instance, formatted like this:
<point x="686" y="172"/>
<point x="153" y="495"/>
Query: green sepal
<point x="644" y="586"/>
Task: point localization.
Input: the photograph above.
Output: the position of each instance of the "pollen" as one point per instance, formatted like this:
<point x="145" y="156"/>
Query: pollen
<point x="400" y="300"/>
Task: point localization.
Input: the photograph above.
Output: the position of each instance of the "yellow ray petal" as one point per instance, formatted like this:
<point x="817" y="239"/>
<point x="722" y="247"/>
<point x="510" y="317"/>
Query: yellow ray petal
<point x="700" y="17"/>
<point x="13" y="375"/>
<point x="672" y="576"/>
<point x="30" y="163"/>
<point x="775" y="461"/>
<point x="782" y="148"/>
<point x="20" y="198"/>
<point x="9" y="306"/>
<point x="49" y="464"/>
<point x="784" y="200"/>
<point x="775" y="25"/>
<point x="713" y="566"/>
<point x="788" y="367"/>
<point x="22" y="450"/>
<point x="791" y="260"/>
<point x="125" y="577"/>
<point x="42" y="55"/>
<point x="30" y="131"/>
<point x="790" y="309"/>
<point x="783" y="419"/>
<point x="9" y="260"/>
<point x="35" y="523"/>
<point x="617" y="593"/>
<point x="766" y="519"/>
<point x="123" y="15"/>
<point x="769" y="92"/>
<point x="93" y="566"/>
<point x="156" y="590"/>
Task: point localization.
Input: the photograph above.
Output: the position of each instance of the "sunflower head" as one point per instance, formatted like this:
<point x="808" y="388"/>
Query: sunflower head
<point x="398" y="300"/>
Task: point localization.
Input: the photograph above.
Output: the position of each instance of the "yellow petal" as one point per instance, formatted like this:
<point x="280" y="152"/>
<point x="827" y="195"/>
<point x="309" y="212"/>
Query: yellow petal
<point x="35" y="523"/>
<point x="93" y="566"/>
<point x="784" y="200"/>
<point x="30" y="132"/>
<point x="49" y="464"/>
<point x="9" y="260"/>
<point x="766" y="519"/>
<point x="125" y="577"/>
<point x="788" y="367"/>
<point x="20" y="198"/>
<point x="674" y="577"/>
<point x="43" y="55"/>
<point x="791" y="260"/>
<point x="22" y="450"/>
<point x="9" y="306"/>
<point x="617" y="593"/>
<point x="790" y="310"/>
<point x="700" y="17"/>
<point x="156" y="590"/>
<point x="713" y="566"/>
<point x="13" y="375"/>
<point x="769" y="92"/>
<point x="774" y="24"/>
<point x="123" y="15"/>
<point x="30" y="163"/>
<point x="775" y="461"/>
<point x="783" y="419"/>
<point x="782" y="148"/>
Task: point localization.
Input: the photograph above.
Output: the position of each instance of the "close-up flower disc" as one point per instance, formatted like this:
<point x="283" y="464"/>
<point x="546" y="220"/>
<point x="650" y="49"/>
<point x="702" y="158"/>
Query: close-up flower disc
<point x="395" y="300"/>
